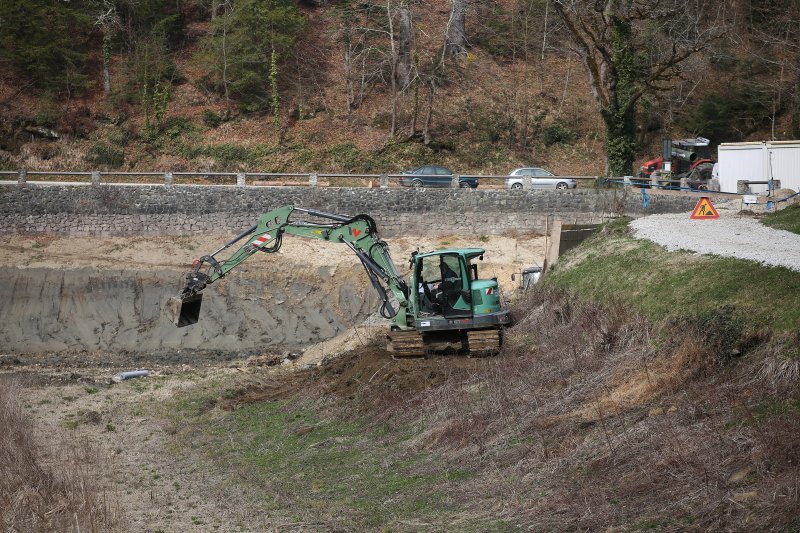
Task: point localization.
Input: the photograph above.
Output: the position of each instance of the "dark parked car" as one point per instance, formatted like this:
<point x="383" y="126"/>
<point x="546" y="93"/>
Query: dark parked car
<point x="434" y="176"/>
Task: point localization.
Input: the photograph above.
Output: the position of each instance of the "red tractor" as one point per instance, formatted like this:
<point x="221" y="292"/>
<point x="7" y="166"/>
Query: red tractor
<point x="688" y="158"/>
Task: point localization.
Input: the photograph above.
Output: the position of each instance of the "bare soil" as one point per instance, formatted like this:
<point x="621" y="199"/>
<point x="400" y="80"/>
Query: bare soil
<point x="156" y="482"/>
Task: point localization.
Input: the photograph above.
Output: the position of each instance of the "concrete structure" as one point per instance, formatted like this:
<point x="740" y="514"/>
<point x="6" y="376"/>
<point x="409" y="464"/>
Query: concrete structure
<point x="759" y="161"/>
<point x="180" y="209"/>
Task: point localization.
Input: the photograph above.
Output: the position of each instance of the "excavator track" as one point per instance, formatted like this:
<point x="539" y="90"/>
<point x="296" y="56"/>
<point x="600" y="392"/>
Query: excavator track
<point x="406" y="344"/>
<point x="484" y="342"/>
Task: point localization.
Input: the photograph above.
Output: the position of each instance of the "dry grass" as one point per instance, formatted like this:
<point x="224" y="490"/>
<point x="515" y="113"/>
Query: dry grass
<point x="49" y="486"/>
<point x="594" y="418"/>
<point x="781" y="365"/>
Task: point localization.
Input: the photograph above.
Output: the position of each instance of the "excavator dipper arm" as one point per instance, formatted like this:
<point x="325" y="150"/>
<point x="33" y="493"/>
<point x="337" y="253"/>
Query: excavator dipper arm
<point x="358" y="233"/>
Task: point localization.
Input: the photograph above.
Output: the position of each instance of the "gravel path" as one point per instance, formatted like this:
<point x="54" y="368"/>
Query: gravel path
<point x="732" y="235"/>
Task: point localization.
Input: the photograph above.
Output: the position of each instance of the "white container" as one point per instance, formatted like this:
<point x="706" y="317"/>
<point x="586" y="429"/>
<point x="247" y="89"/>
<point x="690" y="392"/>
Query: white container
<point x="530" y="276"/>
<point x="759" y="161"/>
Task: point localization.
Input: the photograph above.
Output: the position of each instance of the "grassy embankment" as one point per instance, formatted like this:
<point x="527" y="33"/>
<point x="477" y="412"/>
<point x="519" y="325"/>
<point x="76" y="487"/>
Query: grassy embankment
<point x="638" y="389"/>
<point x="788" y="219"/>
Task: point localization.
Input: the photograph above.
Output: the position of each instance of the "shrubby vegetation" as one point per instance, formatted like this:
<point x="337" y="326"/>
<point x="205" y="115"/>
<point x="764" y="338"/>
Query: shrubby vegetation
<point x="247" y="40"/>
<point x="47" y="42"/>
<point x="384" y="66"/>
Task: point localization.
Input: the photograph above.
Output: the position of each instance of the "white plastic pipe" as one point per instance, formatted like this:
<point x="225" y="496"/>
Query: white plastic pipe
<point x="122" y="376"/>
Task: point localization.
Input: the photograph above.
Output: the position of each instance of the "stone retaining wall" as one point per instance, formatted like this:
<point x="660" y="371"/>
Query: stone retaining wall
<point x="182" y="209"/>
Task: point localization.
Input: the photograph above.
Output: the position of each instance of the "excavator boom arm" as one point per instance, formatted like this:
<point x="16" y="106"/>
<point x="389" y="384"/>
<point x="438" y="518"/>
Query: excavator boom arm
<point x="358" y="233"/>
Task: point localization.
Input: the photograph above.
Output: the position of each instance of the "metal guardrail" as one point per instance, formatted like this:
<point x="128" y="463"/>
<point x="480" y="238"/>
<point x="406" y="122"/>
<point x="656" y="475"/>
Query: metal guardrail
<point x="95" y="177"/>
<point x="654" y="185"/>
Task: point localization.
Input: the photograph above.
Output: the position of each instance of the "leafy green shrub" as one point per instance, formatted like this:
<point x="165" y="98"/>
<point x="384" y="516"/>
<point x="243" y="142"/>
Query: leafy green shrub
<point x="496" y="34"/>
<point x="47" y="43"/>
<point x="558" y="132"/>
<point x="720" y="330"/>
<point x="229" y="153"/>
<point x="119" y="137"/>
<point x="382" y="120"/>
<point x="226" y="155"/>
<point x="258" y="36"/>
<point x="48" y="115"/>
<point x="346" y="157"/>
<point x="173" y="28"/>
<point x="175" y="127"/>
<point x="102" y="154"/>
<point x="211" y="118"/>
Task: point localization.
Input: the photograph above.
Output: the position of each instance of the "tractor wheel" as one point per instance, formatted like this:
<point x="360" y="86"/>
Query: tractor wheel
<point x="700" y="176"/>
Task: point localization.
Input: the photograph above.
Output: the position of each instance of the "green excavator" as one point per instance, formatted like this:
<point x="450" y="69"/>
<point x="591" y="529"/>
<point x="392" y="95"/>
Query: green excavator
<point x="445" y="305"/>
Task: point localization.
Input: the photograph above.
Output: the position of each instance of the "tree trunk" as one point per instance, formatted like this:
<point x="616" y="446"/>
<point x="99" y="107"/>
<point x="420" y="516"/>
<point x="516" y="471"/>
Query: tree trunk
<point x="426" y="129"/>
<point x="394" y="58"/>
<point x="404" y="45"/>
<point x="412" y="131"/>
<point x="348" y="73"/>
<point x="795" y="111"/>
<point x="225" y="63"/>
<point x="620" y="114"/>
<point x="620" y="141"/>
<point x="456" y="38"/>
<point x="106" y="61"/>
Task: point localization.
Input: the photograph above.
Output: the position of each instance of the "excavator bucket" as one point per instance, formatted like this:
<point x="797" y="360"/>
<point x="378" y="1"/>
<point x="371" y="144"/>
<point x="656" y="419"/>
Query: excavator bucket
<point x="184" y="311"/>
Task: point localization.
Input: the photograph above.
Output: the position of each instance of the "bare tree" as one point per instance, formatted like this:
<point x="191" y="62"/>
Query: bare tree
<point x="394" y="59"/>
<point x="108" y="21"/>
<point x="405" y="43"/>
<point x="364" y="31"/>
<point x="426" y="128"/>
<point x="456" y="35"/>
<point x="227" y="6"/>
<point x="771" y="42"/>
<point x="625" y="59"/>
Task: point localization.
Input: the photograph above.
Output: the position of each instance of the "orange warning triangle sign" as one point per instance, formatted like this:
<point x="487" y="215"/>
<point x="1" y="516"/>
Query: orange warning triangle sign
<point x="704" y="209"/>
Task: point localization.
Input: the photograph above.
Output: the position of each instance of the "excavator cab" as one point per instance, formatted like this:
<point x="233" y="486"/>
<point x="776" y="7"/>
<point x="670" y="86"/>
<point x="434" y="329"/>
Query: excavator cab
<point x="448" y="287"/>
<point x="441" y="286"/>
<point x="451" y="307"/>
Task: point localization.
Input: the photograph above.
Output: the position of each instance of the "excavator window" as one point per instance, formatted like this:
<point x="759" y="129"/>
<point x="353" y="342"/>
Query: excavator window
<point x="451" y="271"/>
<point x="440" y="286"/>
<point x="429" y="279"/>
<point x="453" y="299"/>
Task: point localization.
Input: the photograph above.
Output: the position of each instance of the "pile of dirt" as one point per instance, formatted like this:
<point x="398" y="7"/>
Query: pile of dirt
<point x="365" y="373"/>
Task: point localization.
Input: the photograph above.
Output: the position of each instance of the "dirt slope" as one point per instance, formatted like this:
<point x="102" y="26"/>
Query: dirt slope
<point x="75" y="311"/>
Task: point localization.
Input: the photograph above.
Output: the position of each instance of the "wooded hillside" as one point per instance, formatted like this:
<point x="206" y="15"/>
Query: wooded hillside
<point x="479" y="85"/>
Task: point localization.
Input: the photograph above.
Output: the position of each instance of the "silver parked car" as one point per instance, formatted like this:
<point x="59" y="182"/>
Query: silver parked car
<point x="540" y="179"/>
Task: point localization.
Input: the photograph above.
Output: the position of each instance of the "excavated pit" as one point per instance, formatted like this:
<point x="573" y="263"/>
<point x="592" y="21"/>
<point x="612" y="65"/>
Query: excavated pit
<point x="82" y="302"/>
<point x="88" y="309"/>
